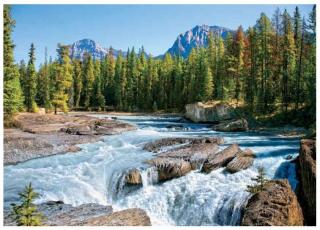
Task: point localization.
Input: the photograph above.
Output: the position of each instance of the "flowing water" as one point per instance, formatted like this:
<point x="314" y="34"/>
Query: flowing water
<point x="97" y="174"/>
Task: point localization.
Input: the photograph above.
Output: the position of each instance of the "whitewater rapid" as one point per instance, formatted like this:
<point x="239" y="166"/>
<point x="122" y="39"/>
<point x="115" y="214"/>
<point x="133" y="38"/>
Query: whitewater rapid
<point x="96" y="175"/>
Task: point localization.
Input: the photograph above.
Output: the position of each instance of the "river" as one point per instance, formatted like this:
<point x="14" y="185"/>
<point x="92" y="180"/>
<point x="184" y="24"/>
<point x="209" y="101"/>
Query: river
<point x="96" y="174"/>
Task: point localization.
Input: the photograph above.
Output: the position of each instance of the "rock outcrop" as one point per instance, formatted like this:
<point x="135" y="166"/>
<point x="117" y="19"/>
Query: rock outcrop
<point x="238" y="125"/>
<point x="307" y="165"/>
<point x="40" y="135"/>
<point x="133" y="177"/>
<point x="160" y="145"/>
<point x="220" y="159"/>
<point x="199" y="112"/>
<point x="169" y="168"/>
<point x="128" y="217"/>
<point x="276" y="205"/>
<point x="56" y="213"/>
<point x="243" y="160"/>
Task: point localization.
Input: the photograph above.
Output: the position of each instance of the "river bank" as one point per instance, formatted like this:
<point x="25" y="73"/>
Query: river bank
<point x="44" y="135"/>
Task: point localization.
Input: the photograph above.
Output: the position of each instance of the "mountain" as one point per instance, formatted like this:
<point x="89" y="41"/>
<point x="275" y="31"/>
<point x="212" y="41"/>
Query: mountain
<point x="196" y="37"/>
<point x="81" y="47"/>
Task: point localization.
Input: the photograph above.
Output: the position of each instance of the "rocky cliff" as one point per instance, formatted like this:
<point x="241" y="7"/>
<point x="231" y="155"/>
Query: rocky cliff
<point x="307" y="174"/>
<point x="276" y="205"/>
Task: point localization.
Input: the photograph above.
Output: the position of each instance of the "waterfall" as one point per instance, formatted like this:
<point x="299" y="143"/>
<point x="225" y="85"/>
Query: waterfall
<point x="149" y="176"/>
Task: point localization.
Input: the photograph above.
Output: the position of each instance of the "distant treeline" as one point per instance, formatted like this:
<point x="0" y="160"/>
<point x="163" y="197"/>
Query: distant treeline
<point x="272" y="65"/>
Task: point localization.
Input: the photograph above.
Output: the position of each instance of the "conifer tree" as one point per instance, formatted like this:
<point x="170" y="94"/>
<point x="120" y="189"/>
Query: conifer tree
<point x="109" y="77"/>
<point x="77" y="82"/>
<point x="26" y="213"/>
<point x="260" y="182"/>
<point x="88" y="80"/>
<point x="31" y="82"/>
<point x="289" y="59"/>
<point x="12" y="93"/>
<point x="62" y="79"/>
<point x="43" y="85"/>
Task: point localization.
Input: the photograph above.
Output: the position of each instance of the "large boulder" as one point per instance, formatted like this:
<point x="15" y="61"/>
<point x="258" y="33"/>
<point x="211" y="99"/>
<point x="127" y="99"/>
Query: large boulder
<point x="128" y="217"/>
<point x="220" y="159"/>
<point x="276" y="205"/>
<point x="196" y="153"/>
<point x="307" y="165"/>
<point x="238" y="125"/>
<point x="242" y="161"/>
<point x="133" y="177"/>
<point x="169" y="168"/>
<point x="199" y="112"/>
<point x="162" y="144"/>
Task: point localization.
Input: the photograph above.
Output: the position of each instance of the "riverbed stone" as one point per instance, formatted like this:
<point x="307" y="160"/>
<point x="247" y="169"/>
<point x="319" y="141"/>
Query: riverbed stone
<point x="128" y="217"/>
<point x="243" y="160"/>
<point x="133" y="177"/>
<point x="159" y="145"/>
<point x="276" y="205"/>
<point x="169" y="168"/>
<point x="220" y="159"/>
<point x="238" y="125"/>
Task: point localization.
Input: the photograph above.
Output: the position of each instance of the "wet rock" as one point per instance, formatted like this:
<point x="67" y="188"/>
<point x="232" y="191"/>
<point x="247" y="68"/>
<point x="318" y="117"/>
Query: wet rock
<point x="133" y="177"/>
<point x="196" y="153"/>
<point x="169" y="168"/>
<point x="243" y="160"/>
<point x="220" y="159"/>
<point x="78" y="130"/>
<point x="288" y="157"/>
<point x="128" y="217"/>
<point x="158" y="145"/>
<point x="239" y="125"/>
<point x="199" y="112"/>
<point x="276" y="205"/>
<point x="175" y="127"/>
<point x="307" y="165"/>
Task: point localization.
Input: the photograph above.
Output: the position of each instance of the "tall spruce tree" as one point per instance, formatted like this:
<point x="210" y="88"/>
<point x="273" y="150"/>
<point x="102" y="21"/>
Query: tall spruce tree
<point x="62" y="79"/>
<point x="31" y="82"/>
<point x="12" y="93"/>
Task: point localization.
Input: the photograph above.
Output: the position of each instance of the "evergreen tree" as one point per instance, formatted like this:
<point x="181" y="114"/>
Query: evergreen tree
<point x="12" y="94"/>
<point x="88" y="81"/>
<point x="240" y="39"/>
<point x="31" y="82"/>
<point x="62" y="79"/>
<point x="289" y="59"/>
<point x="260" y="181"/>
<point x="26" y="214"/>
<point x="43" y="85"/>
<point x="97" y="97"/>
<point x="264" y="39"/>
<point x="77" y="82"/>
<point x="109" y="77"/>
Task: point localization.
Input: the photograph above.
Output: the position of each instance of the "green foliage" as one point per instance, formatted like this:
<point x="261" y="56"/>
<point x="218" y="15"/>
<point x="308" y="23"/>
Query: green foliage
<point x="260" y="182"/>
<point x="31" y="81"/>
<point x="26" y="214"/>
<point x="62" y="80"/>
<point x="12" y="93"/>
<point x="269" y="67"/>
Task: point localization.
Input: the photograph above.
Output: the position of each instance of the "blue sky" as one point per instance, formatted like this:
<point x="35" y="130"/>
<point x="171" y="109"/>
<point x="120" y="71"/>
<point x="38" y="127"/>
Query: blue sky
<point x="154" y="26"/>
